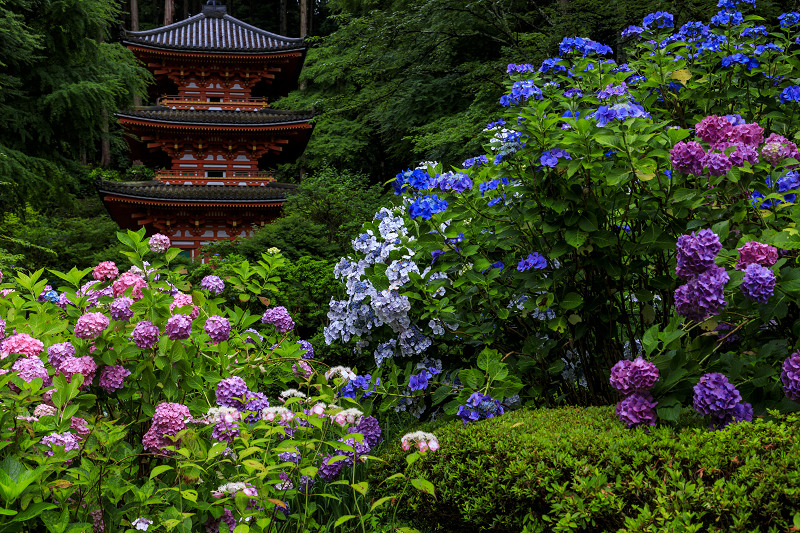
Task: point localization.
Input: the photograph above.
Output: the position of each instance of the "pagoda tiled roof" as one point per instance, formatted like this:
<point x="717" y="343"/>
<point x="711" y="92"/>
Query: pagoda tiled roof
<point x="187" y="194"/>
<point x="213" y="33"/>
<point x="264" y="117"/>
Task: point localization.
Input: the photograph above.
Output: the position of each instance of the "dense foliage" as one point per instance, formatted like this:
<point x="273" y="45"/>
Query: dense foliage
<point x="578" y="469"/>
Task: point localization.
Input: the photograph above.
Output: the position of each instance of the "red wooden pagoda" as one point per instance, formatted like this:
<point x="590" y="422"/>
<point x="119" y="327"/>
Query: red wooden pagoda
<point x="212" y="134"/>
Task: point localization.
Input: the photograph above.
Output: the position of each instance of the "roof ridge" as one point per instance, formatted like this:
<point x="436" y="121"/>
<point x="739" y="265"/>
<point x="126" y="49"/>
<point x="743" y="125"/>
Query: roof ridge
<point x="161" y="29"/>
<point x="263" y="32"/>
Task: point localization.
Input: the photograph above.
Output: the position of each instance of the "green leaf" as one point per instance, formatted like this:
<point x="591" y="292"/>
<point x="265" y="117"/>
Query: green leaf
<point x="160" y="469"/>
<point x="571" y="301"/>
<point x="343" y="519"/>
<point x="423" y="485"/>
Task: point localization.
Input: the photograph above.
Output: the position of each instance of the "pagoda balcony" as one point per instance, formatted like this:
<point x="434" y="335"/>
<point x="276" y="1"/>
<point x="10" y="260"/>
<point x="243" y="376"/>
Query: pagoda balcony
<point x="228" y="104"/>
<point x="252" y="178"/>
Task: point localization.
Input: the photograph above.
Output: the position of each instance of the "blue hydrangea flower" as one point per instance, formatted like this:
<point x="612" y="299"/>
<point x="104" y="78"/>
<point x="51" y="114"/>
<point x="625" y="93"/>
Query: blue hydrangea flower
<point x="418" y="381"/>
<point x="788" y="20"/>
<point x="755" y="31"/>
<point x="723" y="18"/>
<point x="664" y="20"/>
<point x="630" y="31"/>
<point x="550" y="158"/>
<point x="476" y="161"/>
<point x="534" y="260"/>
<point x="426" y="206"/>
<point x="790" y="94"/>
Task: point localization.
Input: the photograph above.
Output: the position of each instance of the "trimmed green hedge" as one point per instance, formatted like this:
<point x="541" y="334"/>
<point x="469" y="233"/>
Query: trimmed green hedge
<point x="579" y="469"/>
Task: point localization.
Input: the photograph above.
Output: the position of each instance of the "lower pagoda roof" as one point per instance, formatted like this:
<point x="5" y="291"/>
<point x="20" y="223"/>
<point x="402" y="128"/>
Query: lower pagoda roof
<point x="218" y="118"/>
<point x="160" y="193"/>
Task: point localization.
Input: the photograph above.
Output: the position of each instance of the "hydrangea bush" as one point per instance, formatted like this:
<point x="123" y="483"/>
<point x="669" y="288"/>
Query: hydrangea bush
<point x="628" y="207"/>
<point x="135" y="402"/>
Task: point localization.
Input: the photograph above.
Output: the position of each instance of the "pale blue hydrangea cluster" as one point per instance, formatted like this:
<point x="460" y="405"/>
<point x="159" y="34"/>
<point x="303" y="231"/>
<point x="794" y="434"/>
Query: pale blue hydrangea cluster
<point x="366" y="308"/>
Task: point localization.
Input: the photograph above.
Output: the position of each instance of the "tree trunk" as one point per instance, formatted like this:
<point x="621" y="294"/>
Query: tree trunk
<point x="282" y="15"/>
<point x="169" y="12"/>
<point x="134" y="15"/>
<point x="185" y="9"/>
<point x="105" y="142"/>
<point x="303" y="18"/>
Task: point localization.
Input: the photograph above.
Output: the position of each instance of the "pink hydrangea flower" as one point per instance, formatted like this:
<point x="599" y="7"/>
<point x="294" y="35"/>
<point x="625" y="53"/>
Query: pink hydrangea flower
<point x="106" y="270"/>
<point x="159" y="243"/>
<point x="749" y="134"/>
<point x="183" y="300"/>
<point x="91" y="325"/>
<point x="66" y="439"/>
<point x="2" y="328"/>
<point x="687" y="157"/>
<point x="756" y="252"/>
<point x="126" y="281"/>
<point x="717" y="163"/>
<point x="80" y="426"/>
<point x="113" y="377"/>
<point x="79" y="365"/>
<point x="21" y="343"/>
<point x="169" y="419"/>
<point x="44" y="410"/>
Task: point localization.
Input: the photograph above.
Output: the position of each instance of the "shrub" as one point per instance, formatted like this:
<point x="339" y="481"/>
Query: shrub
<point x="578" y="469"/>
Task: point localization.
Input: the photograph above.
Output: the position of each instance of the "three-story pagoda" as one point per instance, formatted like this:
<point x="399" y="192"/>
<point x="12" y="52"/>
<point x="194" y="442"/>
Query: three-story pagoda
<point x="212" y="134"/>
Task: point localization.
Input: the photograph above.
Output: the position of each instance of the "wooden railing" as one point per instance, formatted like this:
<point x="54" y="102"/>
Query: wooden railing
<point x="195" y="177"/>
<point x="185" y="102"/>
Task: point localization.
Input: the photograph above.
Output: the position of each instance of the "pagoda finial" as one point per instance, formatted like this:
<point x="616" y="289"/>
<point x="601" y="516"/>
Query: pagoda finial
<point x="214" y="8"/>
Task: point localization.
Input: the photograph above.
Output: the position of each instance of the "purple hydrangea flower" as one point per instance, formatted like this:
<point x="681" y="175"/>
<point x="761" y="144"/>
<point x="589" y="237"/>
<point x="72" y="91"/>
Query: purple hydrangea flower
<point x="279" y="317"/>
<point x="309" y="349"/>
<point x="330" y="470"/>
<point x="179" y="327"/>
<point x="687" y="157"/>
<point x="717" y="163"/>
<point x="702" y="296"/>
<point x="369" y="427"/>
<point x="637" y="376"/>
<point x="637" y="410"/>
<point x="217" y="327"/>
<point x="145" y="334"/>
<point x="30" y="368"/>
<point x="479" y="406"/>
<point x="2" y="329"/>
<point x="790" y="377"/>
<point x="758" y="283"/>
<point x="253" y="337"/>
<point x="120" y="309"/>
<point x="418" y="381"/>
<point x="58" y="352"/>
<point x="714" y="395"/>
<point x="230" y="392"/>
<point x="68" y="440"/>
<point x="113" y="377"/>
<point x="696" y="253"/>
<point x="256" y="402"/>
<point x="213" y="284"/>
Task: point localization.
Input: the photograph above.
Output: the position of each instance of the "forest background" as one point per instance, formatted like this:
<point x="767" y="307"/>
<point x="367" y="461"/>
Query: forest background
<point x="393" y="83"/>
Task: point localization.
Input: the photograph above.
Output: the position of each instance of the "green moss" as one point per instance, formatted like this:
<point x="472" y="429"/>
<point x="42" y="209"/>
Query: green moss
<point x="579" y="469"/>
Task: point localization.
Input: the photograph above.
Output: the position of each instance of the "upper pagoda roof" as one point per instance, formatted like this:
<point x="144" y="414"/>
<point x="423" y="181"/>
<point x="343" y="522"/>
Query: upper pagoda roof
<point x="264" y="117"/>
<point x="213" y="30"/>
<point x="156" y="191"/>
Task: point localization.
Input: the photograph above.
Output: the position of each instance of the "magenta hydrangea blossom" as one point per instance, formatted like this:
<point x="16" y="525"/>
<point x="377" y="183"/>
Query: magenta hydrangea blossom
<point x="230" y="392"/>
<point x="2" y="329"/>
<point x="696" y="253"/>
<point x="218" y="328"/>
<point x="749" y="134"/>
<point x="758" y="283"/>
<point x="790" y="377"/>
<point x="58" y="352"/>
<point x="79" y="426"/>
<point x="703" y="295"/>
<point x="756" y="252"/>
<point x="279" y="317"/>
<point x="79" y="365"/>
<point x="714" y="129"/>
<point x="105" y="270"/>
<point x="179" y="327"/>
<point x="687" y="157"/>
<point x="159" y="243"/>
<point x="183" y="300"/>
<point x="126" y="281"/>
<point x="68" y="440"/>
<point x="120" y="309"/>
<point x="145" y="334"/>
<point x="113" y="377"/>
<point x="637" y="410"/>
<point x="213" y="284"/>
<point x="44" y="410"/>
<point x="91" y="325"/>
<point x="637" y="376"/>
<point x="30" y="368"/>
<point x="21" y="343"/>
<point x="168" y="420"/>
<point x="777" y="148"/>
